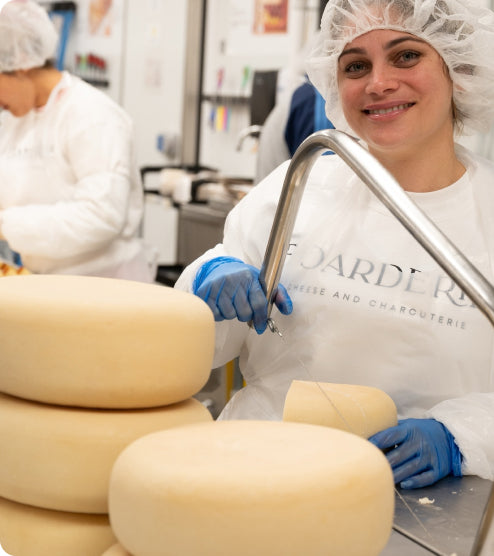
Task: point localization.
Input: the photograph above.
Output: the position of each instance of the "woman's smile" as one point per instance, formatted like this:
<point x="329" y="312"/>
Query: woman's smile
<point x="387" y="109"/>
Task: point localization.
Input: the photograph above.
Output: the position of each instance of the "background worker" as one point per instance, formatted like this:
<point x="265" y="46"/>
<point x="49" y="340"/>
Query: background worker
<point x="71" y="200"/>
<point x="290" y="122"/>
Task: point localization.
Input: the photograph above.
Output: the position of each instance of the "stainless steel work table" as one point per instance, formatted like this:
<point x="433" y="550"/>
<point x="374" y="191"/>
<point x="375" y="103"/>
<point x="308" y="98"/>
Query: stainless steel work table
<point x="448" y="525"/>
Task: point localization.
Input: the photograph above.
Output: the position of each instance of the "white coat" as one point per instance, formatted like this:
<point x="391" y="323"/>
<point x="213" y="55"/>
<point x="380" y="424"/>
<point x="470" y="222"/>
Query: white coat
<point x="371" y="307"/>
<point x="70" y="192"/>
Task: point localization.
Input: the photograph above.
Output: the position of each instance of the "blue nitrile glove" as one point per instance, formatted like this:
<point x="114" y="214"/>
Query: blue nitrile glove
<point x="232" y="289"/>
<point x="421" y="451"/>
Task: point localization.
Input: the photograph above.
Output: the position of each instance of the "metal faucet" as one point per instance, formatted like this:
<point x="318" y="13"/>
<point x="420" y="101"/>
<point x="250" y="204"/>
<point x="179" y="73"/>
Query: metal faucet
<point x="251" y="131"/>
<point x="388" y="190"/>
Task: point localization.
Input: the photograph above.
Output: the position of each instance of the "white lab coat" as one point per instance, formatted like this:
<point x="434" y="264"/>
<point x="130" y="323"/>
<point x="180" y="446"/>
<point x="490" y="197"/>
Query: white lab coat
<point x="70" y="191"/>
<point x="273" y="150"/>
<point x="371" y="306"/>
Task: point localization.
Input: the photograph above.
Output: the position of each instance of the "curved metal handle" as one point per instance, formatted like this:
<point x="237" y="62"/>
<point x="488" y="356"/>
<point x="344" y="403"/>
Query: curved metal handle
<point x="389" y="191"/>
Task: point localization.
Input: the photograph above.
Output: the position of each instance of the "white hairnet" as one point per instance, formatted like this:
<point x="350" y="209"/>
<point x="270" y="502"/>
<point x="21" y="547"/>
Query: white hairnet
<point x="459" y="30"/>
<point x="27" y="36"/>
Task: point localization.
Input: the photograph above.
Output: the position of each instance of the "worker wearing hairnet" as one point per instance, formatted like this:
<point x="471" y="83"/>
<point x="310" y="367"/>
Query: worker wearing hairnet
<point x="287" y="125"/>
<point x="299" y="112"/>
<point x="70" y="194"/>
<point x="361" y="302"/>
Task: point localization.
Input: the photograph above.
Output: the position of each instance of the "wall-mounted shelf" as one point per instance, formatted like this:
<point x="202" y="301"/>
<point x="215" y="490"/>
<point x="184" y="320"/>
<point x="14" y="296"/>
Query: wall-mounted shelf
<point x="227" y="99"/>
<point x="101" y="83"/>
<point x="63" y="6"/>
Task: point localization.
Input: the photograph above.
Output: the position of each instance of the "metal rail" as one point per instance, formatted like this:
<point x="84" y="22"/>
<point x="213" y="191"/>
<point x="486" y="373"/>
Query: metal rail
<point x="388" y="190"/>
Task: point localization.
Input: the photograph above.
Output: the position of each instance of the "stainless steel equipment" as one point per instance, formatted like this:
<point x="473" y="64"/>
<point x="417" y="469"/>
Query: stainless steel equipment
<point x="251" y="131"/>
<point x="388" y="190"/>
<point x="441" y="519"/>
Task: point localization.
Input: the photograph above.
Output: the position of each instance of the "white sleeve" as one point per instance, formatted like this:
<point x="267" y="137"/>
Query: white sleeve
<point x="246" y="234"/>
<point x="229" y="335"/>
<point x="470" y="419"/>
<point x="2" y="552"/>
<point x="272" y="150"/>
<point x="94" y="210"/>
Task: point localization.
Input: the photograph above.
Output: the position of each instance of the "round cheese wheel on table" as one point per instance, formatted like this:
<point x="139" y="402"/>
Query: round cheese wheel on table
<point x="60" y="458"/>
<point x="116" y="550"/>
<point x="29" y="531"/>
<point x="102" y="342"/>
<point x="252" y="487"/>
<point x="362" y="410"/>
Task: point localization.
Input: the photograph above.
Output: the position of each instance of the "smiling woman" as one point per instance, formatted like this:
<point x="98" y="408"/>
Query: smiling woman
<point x="403" y="77"/>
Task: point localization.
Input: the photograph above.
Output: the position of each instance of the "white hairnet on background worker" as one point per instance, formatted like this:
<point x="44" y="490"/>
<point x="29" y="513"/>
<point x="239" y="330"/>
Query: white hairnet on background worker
<point x="71" y="199"/>
<point x="27" y="37"/>
<point x="370" y="306"/>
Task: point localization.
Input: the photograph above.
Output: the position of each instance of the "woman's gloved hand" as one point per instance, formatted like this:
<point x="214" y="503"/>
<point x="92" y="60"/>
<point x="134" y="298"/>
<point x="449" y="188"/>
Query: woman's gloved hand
<point x="421" y="451"/>
<point x="232" y="289"/>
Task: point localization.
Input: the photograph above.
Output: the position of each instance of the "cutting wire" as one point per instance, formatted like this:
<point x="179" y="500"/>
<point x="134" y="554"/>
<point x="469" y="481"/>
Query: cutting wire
<point x="273" y="327"/>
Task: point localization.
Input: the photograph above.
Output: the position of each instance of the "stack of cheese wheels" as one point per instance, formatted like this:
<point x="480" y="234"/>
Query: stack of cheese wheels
<point x="251" y="487"/>
<point x="87" y="366"/>
<point x="362" y="410"/>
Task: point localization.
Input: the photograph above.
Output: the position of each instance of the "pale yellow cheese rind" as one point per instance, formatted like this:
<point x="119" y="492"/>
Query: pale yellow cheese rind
<point x="29" y="531"/>
<point x="252" y="487"/>
<point x="362" y="410"/>
<point x="60" y="458"/>
<point x="116" y="550"/>
<point x="102" y="342"/>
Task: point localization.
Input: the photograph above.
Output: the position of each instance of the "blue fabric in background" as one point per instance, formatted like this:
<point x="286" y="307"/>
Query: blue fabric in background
<point x="307" y="115"/>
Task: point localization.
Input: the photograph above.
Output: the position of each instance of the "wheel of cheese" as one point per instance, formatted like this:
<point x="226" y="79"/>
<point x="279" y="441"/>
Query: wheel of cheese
<point x="29" y="531"/>
<point x="362" y="410"/>
<point x="102" y="342"/>
<point x="252" y="487"/>
<point x="60" y="458"/>
<point x="116" y="550"/>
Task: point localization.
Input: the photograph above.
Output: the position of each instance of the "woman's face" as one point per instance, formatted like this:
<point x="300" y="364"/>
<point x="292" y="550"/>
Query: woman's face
<point x="17" y="93"/>
<point x="395" y="92"/>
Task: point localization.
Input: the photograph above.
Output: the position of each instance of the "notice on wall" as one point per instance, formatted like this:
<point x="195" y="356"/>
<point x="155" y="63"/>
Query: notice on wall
<point x="100" y="17"/>
<point x="270" y="16"/>
<point x="257" y="27"/>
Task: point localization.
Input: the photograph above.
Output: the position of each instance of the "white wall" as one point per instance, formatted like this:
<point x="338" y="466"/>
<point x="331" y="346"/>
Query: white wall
<point x="232" y="45"/>
<point x="145" y="51"/>
<point x="153" y="72"/>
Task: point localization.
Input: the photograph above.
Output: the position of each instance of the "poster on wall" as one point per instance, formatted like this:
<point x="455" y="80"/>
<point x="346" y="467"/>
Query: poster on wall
<point x="258" y="26"/>
<point x="100" y="17"/>
<point x="270" y="16"/>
